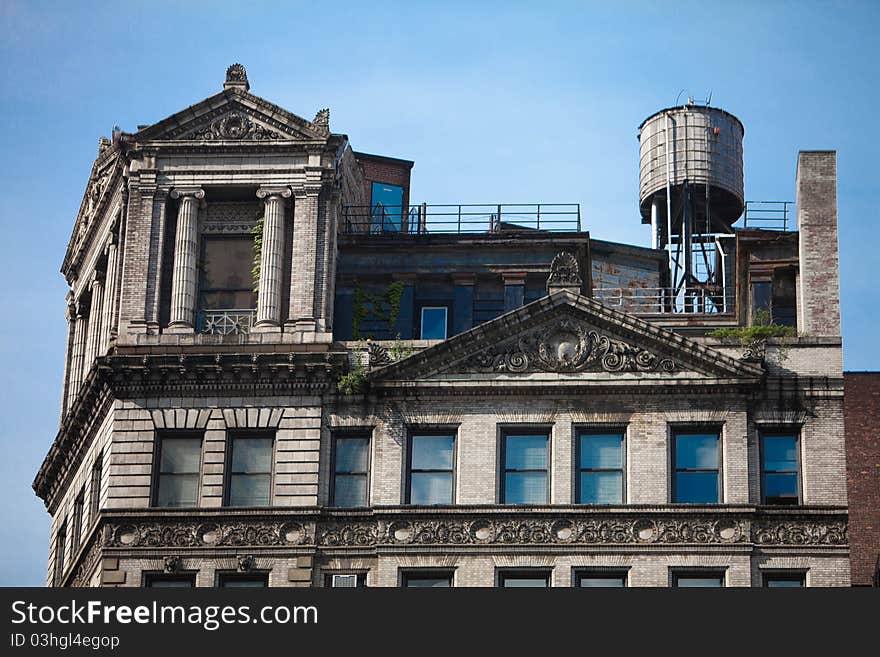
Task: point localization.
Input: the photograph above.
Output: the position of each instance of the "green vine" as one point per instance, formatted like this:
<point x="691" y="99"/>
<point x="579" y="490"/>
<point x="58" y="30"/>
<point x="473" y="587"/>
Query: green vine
<point x="385" y="307"/>
<point x="257" y="232"/>
<point x="762" y="328"/>
<point x="354" y="381"/>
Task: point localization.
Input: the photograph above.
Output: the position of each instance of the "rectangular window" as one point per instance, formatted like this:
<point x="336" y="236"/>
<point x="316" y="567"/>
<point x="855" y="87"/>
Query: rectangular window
<point x="525" y="459"/>
<point x="600" y="467"/>
<point x="178" y="473"/>
<point x="780" y="482"/>
<point x="785" y="580"/>
<point x="346" y="581"/>
<point x="227" y="281"/>
<point x="97" y="474"/>
<point x="236" y="581"/>
<point x="434" y="322"/>
<point x="386" y="213"/>
<point x="698" y="579"/>
<point x="432" y="579"/>
<point x="78" y="510"/>
<point x="250" y="471"/>
<point x="430" y="474"/>
<point x="600" y="578"/>
<point x="351" y="468"/>
<point x="60" y="546"/>
<point x="155" y="581"/>
<point x="509" y="579"/>
<point x="696" y="462"/>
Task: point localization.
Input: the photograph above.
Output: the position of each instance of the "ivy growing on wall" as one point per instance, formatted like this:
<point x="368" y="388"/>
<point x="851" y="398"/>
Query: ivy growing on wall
<point x="257" y="232"/>
<point x="384" y="306"/>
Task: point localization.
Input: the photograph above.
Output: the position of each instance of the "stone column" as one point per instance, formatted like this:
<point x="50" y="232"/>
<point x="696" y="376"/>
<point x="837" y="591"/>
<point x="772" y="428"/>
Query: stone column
<point x="186" y="248"/>
<point x="303" y="263"/>
<point x="271" y="259"/>
<point x="96" y="316"/>
<point x="70" y="315"/>
<point x="79" y="345"/>
<point x="108" y="330"/>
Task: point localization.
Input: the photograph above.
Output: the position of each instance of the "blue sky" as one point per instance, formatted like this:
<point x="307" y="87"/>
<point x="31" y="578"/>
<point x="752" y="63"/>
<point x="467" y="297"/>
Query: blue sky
<point x="495" y="101"/>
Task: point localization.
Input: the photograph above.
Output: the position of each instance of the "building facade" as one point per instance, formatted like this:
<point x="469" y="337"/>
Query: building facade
<point x="280" y="371"/>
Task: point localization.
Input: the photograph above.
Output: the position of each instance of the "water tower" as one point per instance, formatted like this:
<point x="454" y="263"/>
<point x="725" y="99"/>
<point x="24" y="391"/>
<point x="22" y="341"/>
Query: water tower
<point x="691" y="192"/>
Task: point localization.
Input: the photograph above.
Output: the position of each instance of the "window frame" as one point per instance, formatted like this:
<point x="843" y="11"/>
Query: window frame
<point x="678" y="430"/>
<point x="530" y="572"/>
<point x="433" y="431"/>
<point x="222" y="576"/>
<point x="361" y="576"/>
<point x="676" y="574"/>
<point x="203" y="290"/>
<point x="175" y="434"/>
<point x="505" y="431"/>
<point x="780" y="432"/>
<point x="580" y="430"/>
<point x="96" y="475"/>
<point x="404" y="575"/>
<point x="365" y="433"/>
<point x="60" y="548"/>
<point x="768" y="576"/>
<point x="227" y="464"/>
<point x="79" y="509"/>
<point x="599" y="572"/>
<point x="149" y="577"/>
<point x="434" y="305"/>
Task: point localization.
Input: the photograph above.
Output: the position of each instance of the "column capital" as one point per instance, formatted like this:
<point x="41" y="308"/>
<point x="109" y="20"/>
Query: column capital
<point x="514" y="277"/>
<point x="464" y="278"/>
<point x="181" y="192"/>
<point x="269" y="191"/>
<point x="307" y="190"/>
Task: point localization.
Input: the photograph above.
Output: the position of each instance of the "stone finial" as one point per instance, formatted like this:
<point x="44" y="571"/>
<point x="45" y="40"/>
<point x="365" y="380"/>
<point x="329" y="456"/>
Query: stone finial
<point x="564" y="273"/>
<point x="236" y="78"/>
<point x="103" y="145"/>
<point x="322" y="120"/>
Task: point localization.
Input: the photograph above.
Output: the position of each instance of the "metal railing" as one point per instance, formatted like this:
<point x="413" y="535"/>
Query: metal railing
<point x="644" y="300"/>
<point x="225" y="322"/>
<point x="461" y="219"/>
<point x="768" y="215"/>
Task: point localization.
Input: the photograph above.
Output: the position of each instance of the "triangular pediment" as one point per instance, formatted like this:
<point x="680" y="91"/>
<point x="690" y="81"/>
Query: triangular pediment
<point x="235" y="115"/>
<point x="568" y="338"/>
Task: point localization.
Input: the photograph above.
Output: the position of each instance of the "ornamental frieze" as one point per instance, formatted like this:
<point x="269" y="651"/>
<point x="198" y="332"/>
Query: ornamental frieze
<point x="210" y="534"/>
<point x="471" y="531"/>
<point x="568" y="346"/>
<point x="801" y="533"/>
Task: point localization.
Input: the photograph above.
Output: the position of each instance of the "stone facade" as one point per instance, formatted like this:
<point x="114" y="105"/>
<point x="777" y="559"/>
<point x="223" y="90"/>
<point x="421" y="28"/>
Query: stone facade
<point x="526" y="348"/>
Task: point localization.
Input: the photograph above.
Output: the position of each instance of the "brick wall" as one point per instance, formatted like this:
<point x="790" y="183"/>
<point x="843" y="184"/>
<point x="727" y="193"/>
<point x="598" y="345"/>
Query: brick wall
<point x="862" y="422"/>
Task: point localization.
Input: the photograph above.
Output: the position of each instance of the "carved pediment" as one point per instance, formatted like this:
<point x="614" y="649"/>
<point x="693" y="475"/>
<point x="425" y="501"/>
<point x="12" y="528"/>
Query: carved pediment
<point x="565" y="336"/>
<point x="566" y="344"/>
<point x="235" y="115"/>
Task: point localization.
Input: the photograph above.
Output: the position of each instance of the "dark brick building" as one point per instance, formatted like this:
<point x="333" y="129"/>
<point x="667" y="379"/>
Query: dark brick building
<point x="862" y="425"/>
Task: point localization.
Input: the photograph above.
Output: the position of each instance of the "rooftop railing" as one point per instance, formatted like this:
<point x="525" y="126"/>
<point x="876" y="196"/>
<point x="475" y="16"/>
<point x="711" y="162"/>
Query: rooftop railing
<point x="650" y="300"/>
<point x="427" y="219"/>
<point x="768" y="215"/>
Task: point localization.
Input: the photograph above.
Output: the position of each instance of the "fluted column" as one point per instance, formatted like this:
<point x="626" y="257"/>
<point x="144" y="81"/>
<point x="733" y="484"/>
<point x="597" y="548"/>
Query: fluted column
<point x="186" y="247"/>
<point x="107" y="329"/>
<point x="70" y="315"/>
<point x="79" y="346"/>
<point x="96" y="316"/>
<point x="271" y="258"/>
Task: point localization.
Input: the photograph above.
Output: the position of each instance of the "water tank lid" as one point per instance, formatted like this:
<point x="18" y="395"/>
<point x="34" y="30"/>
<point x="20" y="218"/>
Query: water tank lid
<point x="697" y="107"/>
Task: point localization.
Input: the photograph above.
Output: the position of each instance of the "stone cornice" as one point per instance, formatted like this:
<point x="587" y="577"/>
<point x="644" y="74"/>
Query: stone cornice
<point x="395" y="528"/>
<point x="191" y="375"/>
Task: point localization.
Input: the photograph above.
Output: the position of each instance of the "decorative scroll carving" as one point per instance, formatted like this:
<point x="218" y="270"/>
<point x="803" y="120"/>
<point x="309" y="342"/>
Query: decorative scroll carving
<point x="233" y="125"/>
<point x="171" y="564"/>
<point x="322" y="121"/>
<point x="492" y="531"/>
<point x="801" y="532"/>
<point x="246" y="563"/>
<point x="755" y="352"/>
<point x="564" y="271"/>
<point x="568" y="346"/>
<point x="241" y="533"/>
<point x="378" y="355"/>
